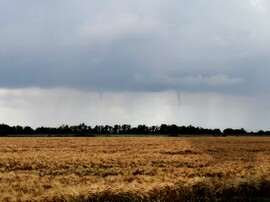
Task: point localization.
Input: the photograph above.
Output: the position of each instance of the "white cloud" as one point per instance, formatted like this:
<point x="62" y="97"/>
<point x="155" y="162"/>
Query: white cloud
<point x="39" y="107"/>
<point x="57" y="106"/>
<point x="215" y="80"/>
<point x="259" y="5"/>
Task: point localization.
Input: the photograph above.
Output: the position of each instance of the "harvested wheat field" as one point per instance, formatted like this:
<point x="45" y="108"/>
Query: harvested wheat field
<point x="135" y="169"/>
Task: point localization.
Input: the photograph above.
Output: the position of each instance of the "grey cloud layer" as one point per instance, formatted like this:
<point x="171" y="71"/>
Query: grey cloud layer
<point x="152" y="45"/>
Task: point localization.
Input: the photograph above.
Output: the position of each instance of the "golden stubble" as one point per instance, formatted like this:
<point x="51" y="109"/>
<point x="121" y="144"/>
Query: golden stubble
<point x="76" y="168"/>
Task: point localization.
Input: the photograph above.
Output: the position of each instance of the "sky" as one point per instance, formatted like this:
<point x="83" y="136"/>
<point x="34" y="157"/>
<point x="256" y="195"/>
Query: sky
<point x="202" y="62"/>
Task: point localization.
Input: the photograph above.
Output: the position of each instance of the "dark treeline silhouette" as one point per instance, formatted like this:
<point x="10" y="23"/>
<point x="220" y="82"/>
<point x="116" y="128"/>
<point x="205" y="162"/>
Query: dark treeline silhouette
<point x="84" y="130"/>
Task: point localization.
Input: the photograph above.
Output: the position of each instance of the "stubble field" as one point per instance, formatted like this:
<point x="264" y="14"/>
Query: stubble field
<point x="135" y="169"/>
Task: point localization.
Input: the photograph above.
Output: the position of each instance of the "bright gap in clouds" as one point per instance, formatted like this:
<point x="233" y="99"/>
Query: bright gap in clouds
<point x="39" y="107"/>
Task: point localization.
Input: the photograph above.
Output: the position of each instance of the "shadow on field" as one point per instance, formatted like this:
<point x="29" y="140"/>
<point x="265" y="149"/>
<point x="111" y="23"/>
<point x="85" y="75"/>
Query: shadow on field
<point x="239" y="170"/>
<point x="221" y="169"/>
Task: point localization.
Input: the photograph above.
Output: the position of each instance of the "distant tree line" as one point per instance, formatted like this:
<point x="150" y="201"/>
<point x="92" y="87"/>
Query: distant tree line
<point x="84" y="130"/>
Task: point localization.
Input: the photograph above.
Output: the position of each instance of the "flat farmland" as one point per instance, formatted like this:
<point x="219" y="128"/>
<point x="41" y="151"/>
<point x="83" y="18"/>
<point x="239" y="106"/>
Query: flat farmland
<point x="135" y="169"/>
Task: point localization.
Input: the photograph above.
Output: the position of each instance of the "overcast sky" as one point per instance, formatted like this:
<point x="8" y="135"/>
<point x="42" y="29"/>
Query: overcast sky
<point x="201" y="62"/>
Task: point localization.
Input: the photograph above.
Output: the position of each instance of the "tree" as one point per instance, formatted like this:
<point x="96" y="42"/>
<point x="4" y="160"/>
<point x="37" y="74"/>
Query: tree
<point x="117" y="129"/>
<point x="173" y="130"/>
<point x="126" y="129"/>
<point x="163" y="129"/>
<point x="142" y="129"/>
<point x="28" y="130"/>
<point x="107" y="129"/>
<point x="230" y="131"/>
<point x="5" y="129"/>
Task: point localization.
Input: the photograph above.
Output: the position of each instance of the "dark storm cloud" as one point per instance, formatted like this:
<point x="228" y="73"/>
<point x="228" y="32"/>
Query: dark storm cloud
<point x="218" y="46"/>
